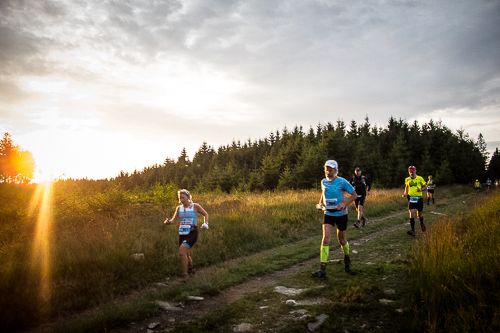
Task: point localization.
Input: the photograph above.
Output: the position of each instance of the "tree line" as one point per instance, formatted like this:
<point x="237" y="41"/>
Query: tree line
<point x="293" y="159"/>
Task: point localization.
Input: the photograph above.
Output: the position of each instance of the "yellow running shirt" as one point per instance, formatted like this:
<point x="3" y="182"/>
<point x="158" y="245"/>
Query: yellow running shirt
<point x="413" y="184"/>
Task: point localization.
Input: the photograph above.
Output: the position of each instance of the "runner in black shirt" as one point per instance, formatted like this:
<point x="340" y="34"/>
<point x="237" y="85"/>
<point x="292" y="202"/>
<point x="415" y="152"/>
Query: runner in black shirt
<point x="362" y="186"/>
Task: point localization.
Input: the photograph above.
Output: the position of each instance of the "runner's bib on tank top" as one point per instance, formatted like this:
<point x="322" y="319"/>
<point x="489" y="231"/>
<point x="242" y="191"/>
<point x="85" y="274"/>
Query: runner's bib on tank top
<point x="188" y="218"/>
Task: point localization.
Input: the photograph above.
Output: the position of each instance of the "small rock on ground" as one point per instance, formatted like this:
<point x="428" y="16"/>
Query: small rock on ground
<point x="244" y="327"/>
<point x="288" y="291"/>
<point x="385" y="301"/>
<point x="314" y="326"/>
<point x="195" y="298"/>
<point x="153" y="325"/>
<point x="167" y="306"/>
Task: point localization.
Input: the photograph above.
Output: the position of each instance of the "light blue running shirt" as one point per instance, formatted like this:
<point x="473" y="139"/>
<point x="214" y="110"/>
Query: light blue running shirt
<point x="334" y="193"/>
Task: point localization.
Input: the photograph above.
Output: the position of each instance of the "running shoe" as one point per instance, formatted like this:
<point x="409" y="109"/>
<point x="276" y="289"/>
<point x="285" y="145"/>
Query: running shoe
<point x="191" y="271"/>
<point x="364" y="222"/>
<point x="356" y="225"/>
<point x="347" y="262"/>
<point x="411" y="233"/>
<point x="320" y="274"/>
<point x="422" y="225"/>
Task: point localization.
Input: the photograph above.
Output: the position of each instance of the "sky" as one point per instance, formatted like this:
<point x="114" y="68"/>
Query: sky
<point x="94" y="87"/>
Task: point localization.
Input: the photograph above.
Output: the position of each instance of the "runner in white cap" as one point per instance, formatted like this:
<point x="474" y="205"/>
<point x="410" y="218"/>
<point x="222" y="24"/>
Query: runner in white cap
<point x="334" y="204"/>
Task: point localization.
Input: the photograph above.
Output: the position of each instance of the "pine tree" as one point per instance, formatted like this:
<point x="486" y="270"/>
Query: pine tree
<point x="494" y="165"/>
<point x="16" y="165"/>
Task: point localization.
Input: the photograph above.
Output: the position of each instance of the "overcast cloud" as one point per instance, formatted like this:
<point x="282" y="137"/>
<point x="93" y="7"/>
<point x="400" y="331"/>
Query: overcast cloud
<point x="120" y="85"/>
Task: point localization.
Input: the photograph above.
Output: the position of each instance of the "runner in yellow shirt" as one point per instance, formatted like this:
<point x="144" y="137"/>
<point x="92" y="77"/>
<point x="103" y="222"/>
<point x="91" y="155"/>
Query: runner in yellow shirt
<point x="430" y="189"/>
<point x="477" y="185"/>
<point x="413" y="191"/>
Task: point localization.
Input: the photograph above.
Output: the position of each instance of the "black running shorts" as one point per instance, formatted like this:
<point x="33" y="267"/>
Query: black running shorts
<point x="340" y="221"/>
<point x="190" y="238"/>
<point x="419" y="206"/>
<point x="360" y="201"/>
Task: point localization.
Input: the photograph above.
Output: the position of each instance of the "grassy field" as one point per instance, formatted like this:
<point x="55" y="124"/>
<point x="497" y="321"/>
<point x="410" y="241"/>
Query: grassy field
<point x="64" y="249"/>
<point x="399" y="284"/>
<point x="455" y="272"/>
<point x="84" y="258"/>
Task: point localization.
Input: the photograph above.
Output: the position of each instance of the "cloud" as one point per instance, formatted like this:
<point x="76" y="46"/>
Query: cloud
<point x="233" y="69"/>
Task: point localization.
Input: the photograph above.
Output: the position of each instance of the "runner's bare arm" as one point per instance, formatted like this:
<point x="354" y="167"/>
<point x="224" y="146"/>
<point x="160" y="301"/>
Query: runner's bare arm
<point x="352" y="197"/>
<point x="176" y="215"/>
<point x="199" y="210"/>
<point x="406" y="191"/>
<point x="319" y="206"/>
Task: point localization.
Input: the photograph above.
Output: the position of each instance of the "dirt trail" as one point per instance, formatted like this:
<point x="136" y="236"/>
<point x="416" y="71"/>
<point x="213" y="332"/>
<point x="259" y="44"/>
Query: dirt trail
<point x="170" y="318"/>
<point x="190" y="312"/>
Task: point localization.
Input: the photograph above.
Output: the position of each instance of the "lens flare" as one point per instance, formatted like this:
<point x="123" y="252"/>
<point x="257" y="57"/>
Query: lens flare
<point x="40" y="259"/>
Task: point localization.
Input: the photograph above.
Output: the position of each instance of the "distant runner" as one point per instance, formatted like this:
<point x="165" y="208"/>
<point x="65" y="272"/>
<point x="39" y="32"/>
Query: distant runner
<point x="362" y="187"/>
<point x="188" y="229"/>
<point x="413" y="191"/>
<point x="488" y="183"/>
<point x="334" y="204"/>
<point x="477" y="185"/>
<point x="430" y="189"/>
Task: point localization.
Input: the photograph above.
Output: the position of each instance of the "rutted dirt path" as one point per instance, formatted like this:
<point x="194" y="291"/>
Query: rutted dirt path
<point x="190" y="312"/>
<point x="170" y="318"/>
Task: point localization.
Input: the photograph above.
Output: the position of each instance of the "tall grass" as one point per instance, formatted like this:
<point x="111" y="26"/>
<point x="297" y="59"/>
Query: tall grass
<point x="455" y="272"/>
<point x="95" y="232"/>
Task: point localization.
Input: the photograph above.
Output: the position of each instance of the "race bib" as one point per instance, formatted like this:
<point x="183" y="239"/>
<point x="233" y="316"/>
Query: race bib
<point x="331" y="203"/>
<point x="414" y="199"/>
<point x="184" y="229"/>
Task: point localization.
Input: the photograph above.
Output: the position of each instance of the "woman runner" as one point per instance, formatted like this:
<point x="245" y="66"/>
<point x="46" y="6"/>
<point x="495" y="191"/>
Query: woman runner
<point x="188" y="229"/>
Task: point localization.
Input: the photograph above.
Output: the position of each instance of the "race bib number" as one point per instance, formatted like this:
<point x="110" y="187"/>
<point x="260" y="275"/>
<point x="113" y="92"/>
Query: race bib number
<point x="331" y="203"/>
<point x="414" y="199"/>
<point x="184" y="229"/>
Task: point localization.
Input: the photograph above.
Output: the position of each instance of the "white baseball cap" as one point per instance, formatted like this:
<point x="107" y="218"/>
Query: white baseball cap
<point x="332" y="164"/>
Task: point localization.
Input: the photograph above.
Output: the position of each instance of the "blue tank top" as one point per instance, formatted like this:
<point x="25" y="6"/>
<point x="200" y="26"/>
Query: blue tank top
<point x="187" y="215"/>
<point x="334" y="193"/>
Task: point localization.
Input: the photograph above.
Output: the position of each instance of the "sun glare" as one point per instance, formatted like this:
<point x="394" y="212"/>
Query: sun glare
<point x="40" y="263"/>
